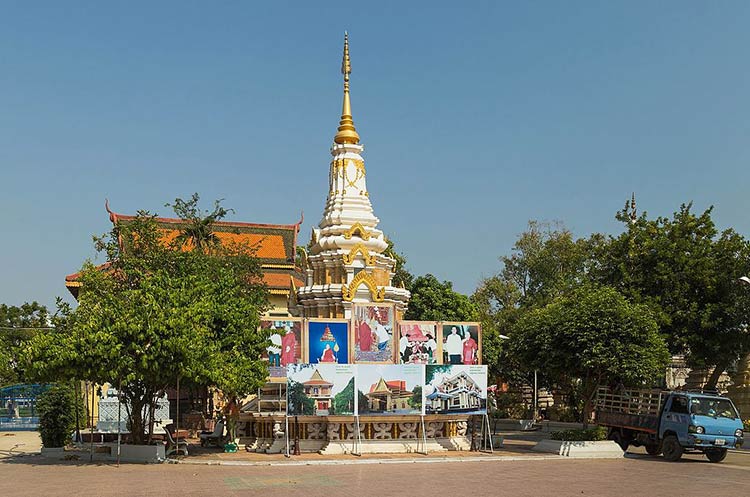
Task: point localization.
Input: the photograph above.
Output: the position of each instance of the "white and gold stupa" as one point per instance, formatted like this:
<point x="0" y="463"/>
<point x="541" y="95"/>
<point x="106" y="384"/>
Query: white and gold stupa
<point x="346" y="263"/>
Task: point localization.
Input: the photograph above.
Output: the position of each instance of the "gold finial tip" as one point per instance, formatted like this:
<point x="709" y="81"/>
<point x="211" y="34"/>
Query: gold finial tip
<point x="346" y="131"/>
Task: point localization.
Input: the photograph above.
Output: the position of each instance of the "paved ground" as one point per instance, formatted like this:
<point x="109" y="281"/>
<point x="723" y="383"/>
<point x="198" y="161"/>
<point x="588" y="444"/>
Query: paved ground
<point x="635" y="475"/>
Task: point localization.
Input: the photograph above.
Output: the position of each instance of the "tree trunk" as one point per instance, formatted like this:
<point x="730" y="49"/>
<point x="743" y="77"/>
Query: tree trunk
<point x="715" y="375"/>
<point x="135" y="417"/>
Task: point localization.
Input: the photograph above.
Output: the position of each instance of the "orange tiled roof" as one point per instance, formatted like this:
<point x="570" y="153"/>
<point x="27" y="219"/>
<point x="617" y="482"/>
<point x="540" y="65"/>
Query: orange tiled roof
<point x="275" y="245"/>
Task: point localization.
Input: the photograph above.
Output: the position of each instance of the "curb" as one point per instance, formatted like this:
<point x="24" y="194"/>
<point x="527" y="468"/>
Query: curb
<point x="331" y="462"/>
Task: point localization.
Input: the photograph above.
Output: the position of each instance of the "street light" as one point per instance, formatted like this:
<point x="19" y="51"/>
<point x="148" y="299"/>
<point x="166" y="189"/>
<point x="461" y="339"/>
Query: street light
<point x="745" y="279"/>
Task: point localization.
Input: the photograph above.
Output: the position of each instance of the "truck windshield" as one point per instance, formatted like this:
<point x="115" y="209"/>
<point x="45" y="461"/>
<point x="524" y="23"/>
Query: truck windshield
<point x="717" y="408"/>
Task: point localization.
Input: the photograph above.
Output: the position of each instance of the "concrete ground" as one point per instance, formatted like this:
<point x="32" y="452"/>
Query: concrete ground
<point x="506" y="473"/>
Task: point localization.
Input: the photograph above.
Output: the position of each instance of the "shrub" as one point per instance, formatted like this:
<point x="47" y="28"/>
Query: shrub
<point x="589" y="435"/>
<point x="57" y="417"/>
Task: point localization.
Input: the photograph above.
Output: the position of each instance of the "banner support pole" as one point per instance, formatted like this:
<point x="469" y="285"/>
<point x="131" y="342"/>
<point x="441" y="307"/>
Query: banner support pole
<point x="424" y="435"/>
<point x="357" y="439"/>
<point x="286" y="435"/>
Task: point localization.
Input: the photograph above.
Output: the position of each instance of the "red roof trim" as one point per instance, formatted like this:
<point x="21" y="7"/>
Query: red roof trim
<point x="114" y="217"/>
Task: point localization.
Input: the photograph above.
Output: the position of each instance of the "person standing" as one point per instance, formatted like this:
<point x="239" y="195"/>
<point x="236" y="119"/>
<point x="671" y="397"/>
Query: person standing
<point x="454" y="346"/>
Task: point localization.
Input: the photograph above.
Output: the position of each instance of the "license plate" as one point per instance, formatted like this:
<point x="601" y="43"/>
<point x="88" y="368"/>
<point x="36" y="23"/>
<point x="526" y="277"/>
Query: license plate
<point x="719" y="441"/>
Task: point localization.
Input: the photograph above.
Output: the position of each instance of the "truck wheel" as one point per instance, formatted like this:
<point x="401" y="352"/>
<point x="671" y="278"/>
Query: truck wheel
<point x="671" y="448"/>
<point x="716" y="455"/>
<point x="653" y="449"/>
<point x="617" y="438"/>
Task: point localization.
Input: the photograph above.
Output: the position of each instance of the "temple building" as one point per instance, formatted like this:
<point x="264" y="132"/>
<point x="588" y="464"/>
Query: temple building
<point x="455" y="394"/>
<point x="389" y="396"/>
<point x="347" y="263"/>
<point x="275" y="246"/>
<point x="320" y="391"/>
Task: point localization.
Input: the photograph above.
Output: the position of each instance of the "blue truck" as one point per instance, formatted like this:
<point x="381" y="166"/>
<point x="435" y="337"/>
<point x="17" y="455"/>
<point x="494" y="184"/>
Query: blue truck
<point x="671" y="423"/>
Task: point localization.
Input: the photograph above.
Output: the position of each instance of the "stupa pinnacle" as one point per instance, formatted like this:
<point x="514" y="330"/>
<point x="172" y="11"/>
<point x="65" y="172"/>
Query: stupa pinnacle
<point x="347" y="264"/>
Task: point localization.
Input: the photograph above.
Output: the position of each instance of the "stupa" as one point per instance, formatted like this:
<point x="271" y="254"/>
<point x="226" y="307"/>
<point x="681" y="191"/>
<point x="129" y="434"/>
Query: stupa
<point x="347" y="263"/>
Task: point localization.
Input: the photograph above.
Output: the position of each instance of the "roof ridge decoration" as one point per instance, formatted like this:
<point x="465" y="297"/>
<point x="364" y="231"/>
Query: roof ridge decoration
<point x="359" y="230"/>
<point x="363" y="278"/>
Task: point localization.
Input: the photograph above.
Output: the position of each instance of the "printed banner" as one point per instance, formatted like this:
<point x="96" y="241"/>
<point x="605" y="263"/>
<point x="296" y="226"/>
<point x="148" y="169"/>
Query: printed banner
<point x="328" y="341"/>
<point x="321" y="390"/>
<point x="390" y="389"/>
<point x="417" y="343"/>
<point x="455" y="389"/>
<point x="461" y="343"/>
<point x="373" y="333"/>
<point x="285" y="347"/>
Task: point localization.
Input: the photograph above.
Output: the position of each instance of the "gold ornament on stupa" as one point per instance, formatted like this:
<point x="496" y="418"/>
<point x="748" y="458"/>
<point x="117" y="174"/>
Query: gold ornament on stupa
<point x="346" y="131"/>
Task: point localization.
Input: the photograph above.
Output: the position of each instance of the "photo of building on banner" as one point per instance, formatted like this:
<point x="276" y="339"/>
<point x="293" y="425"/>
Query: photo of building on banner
<point x="321" y="390"/>
<point x="455" y="389"/>
<point x="461" y="343"/>
<point x="285" y="345"/>
<point x="390" y="389"/>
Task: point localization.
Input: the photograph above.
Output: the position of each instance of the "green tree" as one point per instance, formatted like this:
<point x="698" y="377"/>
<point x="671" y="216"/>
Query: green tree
<point x="57" y="414"/>
<point x="401" y="275"/>
<point x="17" y="325"/>
<point x="432" y="300"/>
<point x="593" y="336"/>
<point x="687" y="272"/>
<point x="156" y="315"/>
<point x="546" y="262"/>
<point x="198" y="232"/>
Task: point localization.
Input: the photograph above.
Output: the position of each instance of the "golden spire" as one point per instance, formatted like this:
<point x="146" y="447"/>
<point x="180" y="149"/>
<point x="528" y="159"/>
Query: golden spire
<point x="346" y="132"/>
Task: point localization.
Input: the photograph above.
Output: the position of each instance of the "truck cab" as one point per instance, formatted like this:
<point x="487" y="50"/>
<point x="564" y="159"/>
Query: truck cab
<point x="699" y="422"/>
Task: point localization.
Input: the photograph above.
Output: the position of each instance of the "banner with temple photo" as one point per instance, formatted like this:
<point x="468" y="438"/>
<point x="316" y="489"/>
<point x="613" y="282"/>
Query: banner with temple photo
<point x="321" y="390"/>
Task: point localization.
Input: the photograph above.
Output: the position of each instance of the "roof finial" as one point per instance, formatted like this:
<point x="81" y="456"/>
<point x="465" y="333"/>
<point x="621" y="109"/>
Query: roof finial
<point x="346" y="131"/>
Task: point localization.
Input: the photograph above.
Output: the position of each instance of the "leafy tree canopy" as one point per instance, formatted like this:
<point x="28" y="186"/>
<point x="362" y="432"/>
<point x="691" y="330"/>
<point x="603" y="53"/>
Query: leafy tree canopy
<point x="687" y="272"/>
<point x="595" y="335"/>
<point x="17" y="325"/>
<point x="432" y="300"/>
<point x="158" y="314"/>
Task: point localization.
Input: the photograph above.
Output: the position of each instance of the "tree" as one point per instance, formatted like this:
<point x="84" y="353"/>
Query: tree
<point x="17" y="326"/>
<point x="401" y="275"/>
<point x="432" y="300"/>
<point x="198" y="232"/>
<point x="57" y="414"/>
<point x="156" y="315"/>
<point x="546" y="262"/>
<point x="593" y="336"/>
<point x="687" y="272"/>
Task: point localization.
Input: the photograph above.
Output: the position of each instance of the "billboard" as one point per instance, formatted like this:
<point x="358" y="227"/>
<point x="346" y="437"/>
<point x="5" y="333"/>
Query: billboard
<point x="390" y="389"/>
<point x="455" y="389"/>
<point x="285" y="345"/>
<point x="327" y="341"/>
<point x="461" y="343"/>
<point x="373" y="326"/>
<point x="321" y="390"/>
<point x="417" y="343"/>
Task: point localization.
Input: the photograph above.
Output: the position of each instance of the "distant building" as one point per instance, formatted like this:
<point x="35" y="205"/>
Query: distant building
<point x="388" y="396"/>
<point x="275" y="246"/>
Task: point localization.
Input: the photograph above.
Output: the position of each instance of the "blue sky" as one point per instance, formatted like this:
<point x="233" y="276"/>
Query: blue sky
<point x="475" y="119"/>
